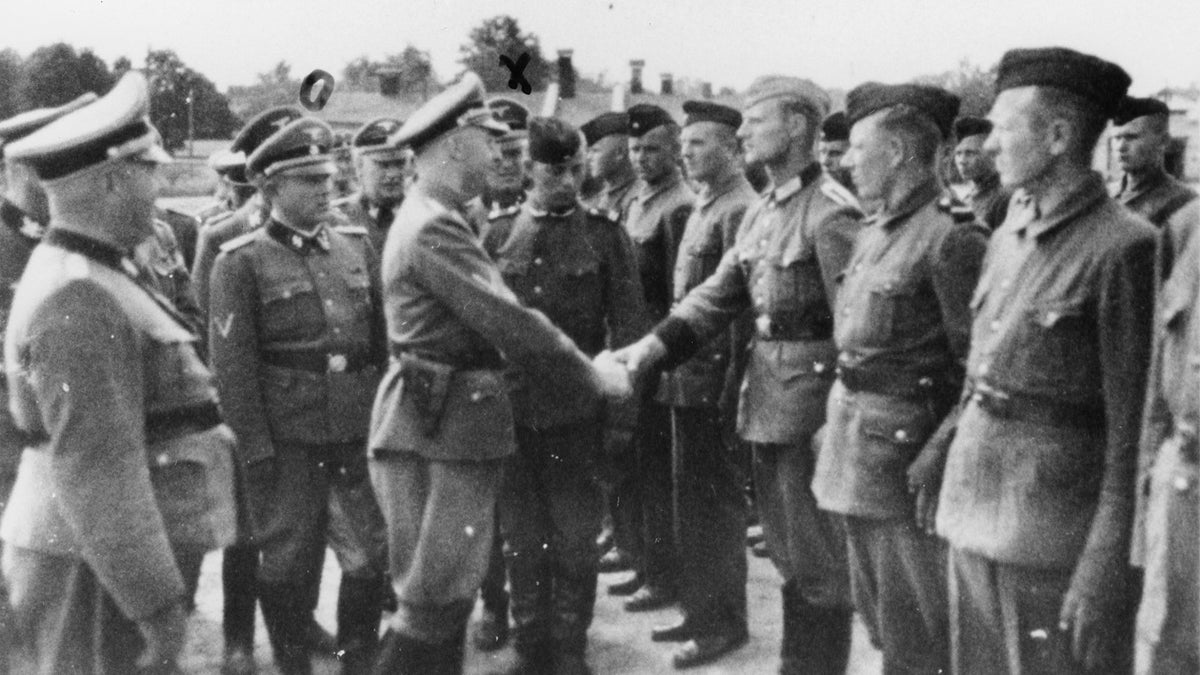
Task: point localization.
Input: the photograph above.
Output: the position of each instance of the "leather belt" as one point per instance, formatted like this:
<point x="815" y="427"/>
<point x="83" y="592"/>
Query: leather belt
<point x="773" y="329"/>
<point x="1037" y="409"/>
<point x="887" y="382"/>
<point x="318" y="362"/>
<point x="483" y="360"/>
<point x="159" y="424"/>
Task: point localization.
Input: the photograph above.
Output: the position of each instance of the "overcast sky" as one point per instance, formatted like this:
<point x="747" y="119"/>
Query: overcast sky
<point x="837" y="43"/>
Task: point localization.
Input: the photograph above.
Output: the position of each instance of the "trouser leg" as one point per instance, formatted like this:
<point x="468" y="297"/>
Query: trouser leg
<point x="709" y="525"/>
<point x="652" y="438"/>
<point x="239" y="569"/>
<point x="525" y="522"/>
<point x="492" y="592"/>
<point x="898" y="580"/>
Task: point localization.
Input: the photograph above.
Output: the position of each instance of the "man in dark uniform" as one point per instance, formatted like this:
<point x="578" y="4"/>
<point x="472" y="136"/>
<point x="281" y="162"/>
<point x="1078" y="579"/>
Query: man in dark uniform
<point x="24" y="215"/>
<point x="233" y="188"/>
<point x="607" y="137"/>
<point x="507" y="181"/>
<point x="443" y="421"/>
<point x="1141" y="138"/>
<point x="102" y="372"/>
<point x="835" y="140"/>
<point x="702" y="394"/>
<point x="1037" y="499"/>
<point x="576" y="266"/>
<point x="655" y="221"/>
<point x="986" y="197"/>
<point x="902" y="331"/>
<point x="345" y="182"/>
<point x="296" y="336"/>
<point x="1166" y="538"/>
<point x="794" y="242"/>
<point x="383" y="176"/>
<point x="247" y="217"/>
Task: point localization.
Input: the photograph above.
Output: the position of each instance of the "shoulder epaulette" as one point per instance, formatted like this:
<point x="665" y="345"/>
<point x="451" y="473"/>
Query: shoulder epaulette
<point x="352" y="229"/>
<point x="611" y="215"/>
<point x="960" y="212"/>
<point x="239" y="241"/>
<point x="177" y="212"/>
<point x="498" y="213"/>
<point x="341" y="201"/>
<point x="839" y="194"/>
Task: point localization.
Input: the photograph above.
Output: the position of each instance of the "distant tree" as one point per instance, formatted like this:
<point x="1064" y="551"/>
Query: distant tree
<point x="356" y="76"/>
<point x="121" y="66"/>
<point x="502" y="35"/>
<point x="281" y="74"/>
<point x="416" y="69"/>
<point x="275" y="87"/>
<point x="974" y="85"/>
<point x="10" y="81"/>
<point x="56" y="74"/>
<point x="171" y="84"/>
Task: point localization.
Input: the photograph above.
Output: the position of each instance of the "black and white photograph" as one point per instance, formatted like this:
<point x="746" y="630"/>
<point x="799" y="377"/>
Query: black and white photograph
<point x="599" y="337"/>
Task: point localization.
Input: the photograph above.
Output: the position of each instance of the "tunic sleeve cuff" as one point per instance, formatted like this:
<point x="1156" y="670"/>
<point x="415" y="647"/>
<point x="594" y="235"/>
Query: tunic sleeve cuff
<point x="681" y="341"/>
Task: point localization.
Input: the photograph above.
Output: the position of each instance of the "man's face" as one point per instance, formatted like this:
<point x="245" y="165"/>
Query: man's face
<point x="1139" y="145"/>
<point x="706" y="155"/>
<point x="1018" y="142"/>
<point x="476" y="154"/>
<point x="869" y="158"/>
<point x="508" y="172"/>
<point x="556" y="186"/>
<point x="606" y="156"/>
<point x="972" y="162"/>
<point x="304" y="200"/>
<point x="383" y="180"/>
<point x="830" y="154"/>
<point x="653" y="154"/>
<point x="767" y="131"/>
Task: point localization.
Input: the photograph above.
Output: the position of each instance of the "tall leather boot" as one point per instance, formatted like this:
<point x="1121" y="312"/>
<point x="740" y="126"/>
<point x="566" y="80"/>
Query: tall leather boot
<point x="450" y="654"/>
<point x="574" y="605"/>
<point x="287" y="614"/>
<point x="358" y="611"/>
<point x="816" y="640"/>
<point x="400" y="654"/>
<point x="531" y="584"/>
<point x="239" y="572"/>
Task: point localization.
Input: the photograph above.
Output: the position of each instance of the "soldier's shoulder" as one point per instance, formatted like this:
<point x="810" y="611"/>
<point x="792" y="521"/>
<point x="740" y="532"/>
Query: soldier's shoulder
<point x="241" y="241"/>
<point x="502" y="212"/>
<point x="837" y="193"/>
<point x="351" y="230"/>
<point x="610" y="216"/>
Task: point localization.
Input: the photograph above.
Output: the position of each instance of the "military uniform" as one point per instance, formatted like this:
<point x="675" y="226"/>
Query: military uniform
<point x="989" y="201"/>
<point x="212" y="237"/>
<point x="902" y="330"/>
<point x="102" y="372"/>
<point x="709" y="504"/>
<point x="1039" y="478"/>
<point x="19" y="234"/>
<point x="374" y="219"/>
<point x="1167" y="527"/>
<point x="617" y="198"/>
<point x="443" y="420"/>
<point x="794" y="241"/>
<point x="1155" y="196"/>
<point x="296" y="338"/>
<point x="577" y="268"/>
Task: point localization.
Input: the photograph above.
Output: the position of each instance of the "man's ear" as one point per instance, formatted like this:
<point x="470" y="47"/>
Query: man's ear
<point x="1060" y="136"/>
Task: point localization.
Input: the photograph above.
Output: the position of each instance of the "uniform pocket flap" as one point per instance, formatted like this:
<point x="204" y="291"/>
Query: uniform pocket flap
<point x="1049" y="315"/>
<point x="900" y="424"/>
<point x="481" y="385"/>
<point x="515" y="266"/>
<point x="893" y="287"/>
<point x="580" y="268"/>
<point x="205" y="448"/>
<point x="286" y="289"/>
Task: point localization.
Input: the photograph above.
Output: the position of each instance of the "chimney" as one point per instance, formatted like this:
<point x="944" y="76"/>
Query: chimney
<point x="706" y="89"/>
<point x="668" y="84"/>
<point x="635" y="78"/>
<point x="566" y="74"/>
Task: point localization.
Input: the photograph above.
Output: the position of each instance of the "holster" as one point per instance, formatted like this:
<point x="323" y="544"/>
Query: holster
<point x="427" y="384"/>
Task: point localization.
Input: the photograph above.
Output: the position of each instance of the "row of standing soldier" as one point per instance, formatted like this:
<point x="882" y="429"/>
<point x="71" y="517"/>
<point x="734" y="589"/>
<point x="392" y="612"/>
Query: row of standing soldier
<point x="873" y="363"/>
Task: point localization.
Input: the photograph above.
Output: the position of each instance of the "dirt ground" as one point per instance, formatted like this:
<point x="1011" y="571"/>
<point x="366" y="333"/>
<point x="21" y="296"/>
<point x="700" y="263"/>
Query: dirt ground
<point x="619" y="642"/>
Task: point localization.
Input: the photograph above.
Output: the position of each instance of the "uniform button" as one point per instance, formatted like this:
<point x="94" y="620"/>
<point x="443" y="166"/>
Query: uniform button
<point x="1006" y="283"/>
<point x="476" y="396"/>
<point x="322" y="274"/>
<point x="846" y="312"/>
<point x="163" y="459"/>
<point x="995" y="324"/>
<point x="818" y="367"/>
<point x="901" y="435"/>
<point x="1182" y="483"/>
<point x="329" y="303"/>
<point x="983" y="369"/>
<point x="537" y="289"/>
<point x="337" y="331"/>
<point x="978" y="398"/>
<point x="858" y="267"/>
<point x="537" y="261"/>
<point x="762" y="243"/>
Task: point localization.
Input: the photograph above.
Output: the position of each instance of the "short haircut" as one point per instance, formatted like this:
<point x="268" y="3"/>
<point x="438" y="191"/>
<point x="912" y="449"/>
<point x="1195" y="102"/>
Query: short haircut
<point x="915" y="129"/>
<point x="812" y="118"/>
<point x="1084" y="116"/>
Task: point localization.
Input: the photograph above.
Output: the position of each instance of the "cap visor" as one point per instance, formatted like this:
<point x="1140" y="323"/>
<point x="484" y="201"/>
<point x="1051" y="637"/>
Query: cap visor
<point x="326" y="168"/>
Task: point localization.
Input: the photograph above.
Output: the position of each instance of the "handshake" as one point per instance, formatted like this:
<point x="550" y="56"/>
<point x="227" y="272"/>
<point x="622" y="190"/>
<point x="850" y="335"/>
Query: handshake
<point x="616" y="371"/>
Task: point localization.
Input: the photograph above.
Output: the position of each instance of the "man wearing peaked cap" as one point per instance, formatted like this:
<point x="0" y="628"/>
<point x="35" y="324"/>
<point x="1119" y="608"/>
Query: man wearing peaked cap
<point x="987" y="199"/>
<point x="709" y="504"/>
<point x="793" y="241"/>
<point x="1142" y="136"/>
<point x="247" y="217"/>
<point x="443" y="421"/>
<point x="655" y="222"/>
<point x="384" y="173"/>
<point x="507" y="180"/>
<point x="607" y="137"/>
<point x="902" y="329"/>
<point x="233" y="188"/>
<point x="91" y="556"/>
<point x="24" y="214"/>
<point x="576" y="266"/>
<point x="835" y="138"/>
<point x="296" y="337"/>
<point x="1060" y="346"/>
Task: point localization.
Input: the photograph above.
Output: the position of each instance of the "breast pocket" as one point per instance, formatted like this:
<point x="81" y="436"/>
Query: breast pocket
<point x="358" y="281"/>
<point x="889" y="309"/>
<point x="516" y="275"/>
<point x="1057" y="346"/>
<point x="797" y="296"/>
<point x="702" y="261"/>
<point x="291" y="310"/>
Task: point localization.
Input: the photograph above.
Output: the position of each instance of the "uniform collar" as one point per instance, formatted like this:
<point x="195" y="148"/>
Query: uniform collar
<point x="650" y="192"/>
<point x="93" y="249"/>
<point x="540" y="213"/>
<point x="782" y="193"/>
<point x="1042" y="216"/>
<point x="987" y="184"/>
<point x="620" y="187"/>
<point x="373" y="210"/>
<point x="301" y="242"/>
<point x="1134" y="186"/>
<point x="711" y="193"/>
<point x="909" y="204"/>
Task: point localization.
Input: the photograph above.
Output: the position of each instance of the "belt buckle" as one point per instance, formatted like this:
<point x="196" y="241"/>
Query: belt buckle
<point x="336" y="363"/>
<point x="992" y="400"/>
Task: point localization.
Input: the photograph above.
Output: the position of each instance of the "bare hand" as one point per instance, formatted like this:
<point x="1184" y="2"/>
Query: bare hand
<point x="1091" y="626"/>
<point x="641" y="355"/>
<point x="613" y="377"/>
